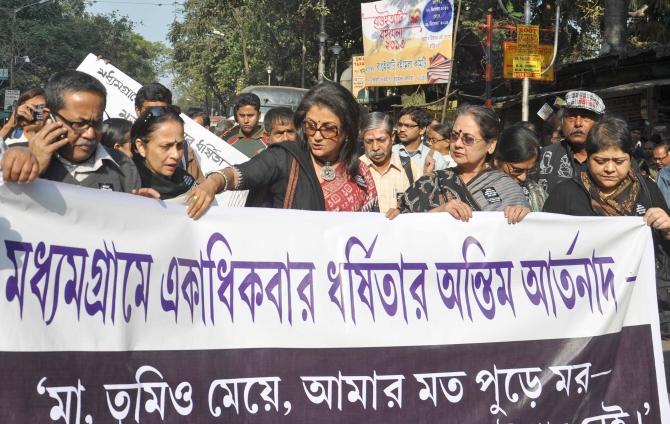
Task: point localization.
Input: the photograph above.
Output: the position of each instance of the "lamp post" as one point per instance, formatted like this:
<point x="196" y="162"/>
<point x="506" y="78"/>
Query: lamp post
<point x="323" y="37"/>
<point x="269" y="71"/>
<point x="13" y="13"/>
<point x="336" y="49"/>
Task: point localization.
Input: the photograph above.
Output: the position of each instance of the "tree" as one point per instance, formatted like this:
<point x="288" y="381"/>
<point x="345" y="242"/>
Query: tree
<point x="222" y="46"/>
<point x="614" y="20"/>
<point x="220" y="65"/>
<point x="58" y="36"/>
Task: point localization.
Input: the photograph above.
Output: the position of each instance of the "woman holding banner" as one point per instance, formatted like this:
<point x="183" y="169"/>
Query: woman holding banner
<point x="158" y="147"/>
<point x="319" y="172"/>
<point x="612" y="187"/>
<point x="473" y="185"/>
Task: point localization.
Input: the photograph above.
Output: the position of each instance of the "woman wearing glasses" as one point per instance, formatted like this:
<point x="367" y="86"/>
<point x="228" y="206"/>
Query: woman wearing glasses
<point x="438" y="139"/>
<point x="319" y="172"/>
<point x="516" y="155"/>
<point x="158" y="147"/>
<point x="473" y="185"/>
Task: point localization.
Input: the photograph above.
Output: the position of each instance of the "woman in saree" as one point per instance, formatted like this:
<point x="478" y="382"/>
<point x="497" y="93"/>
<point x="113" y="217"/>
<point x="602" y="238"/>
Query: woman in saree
<point x="473" y="184"/>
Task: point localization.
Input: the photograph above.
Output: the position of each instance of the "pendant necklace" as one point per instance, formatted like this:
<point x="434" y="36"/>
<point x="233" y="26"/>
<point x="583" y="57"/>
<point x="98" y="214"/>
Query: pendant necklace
<point x="327" y="172"/>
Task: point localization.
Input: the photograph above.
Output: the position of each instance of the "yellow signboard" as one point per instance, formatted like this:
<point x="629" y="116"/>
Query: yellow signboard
<point x="527" y="66"/>
<point x="358" y="78"/>
<point x="527" y="38"/>
<point x="545" y="51"/>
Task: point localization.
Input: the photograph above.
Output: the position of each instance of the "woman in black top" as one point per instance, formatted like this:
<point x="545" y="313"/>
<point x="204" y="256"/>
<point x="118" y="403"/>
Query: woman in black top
<point x="158" y="147"/>
<point x="610" y="186"/>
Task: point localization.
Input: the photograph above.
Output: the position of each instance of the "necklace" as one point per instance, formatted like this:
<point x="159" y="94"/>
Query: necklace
<point x="328" y="172"/>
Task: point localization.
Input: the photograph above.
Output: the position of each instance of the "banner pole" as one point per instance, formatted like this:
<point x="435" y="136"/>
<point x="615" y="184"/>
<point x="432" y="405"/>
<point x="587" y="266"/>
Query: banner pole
<point x="453" y="62"/>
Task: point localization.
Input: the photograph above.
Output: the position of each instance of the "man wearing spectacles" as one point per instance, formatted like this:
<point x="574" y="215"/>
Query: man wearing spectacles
<point x="561" y="161"/>
<point x="410" y="129"/>
<point x="67" y="147"/>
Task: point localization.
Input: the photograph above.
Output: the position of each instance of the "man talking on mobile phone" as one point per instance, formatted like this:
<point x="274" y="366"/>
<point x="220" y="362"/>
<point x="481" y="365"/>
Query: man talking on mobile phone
<point x="67" y="147"/>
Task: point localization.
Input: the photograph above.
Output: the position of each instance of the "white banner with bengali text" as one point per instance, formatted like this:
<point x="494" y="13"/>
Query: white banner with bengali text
<point x="109" y="299"/>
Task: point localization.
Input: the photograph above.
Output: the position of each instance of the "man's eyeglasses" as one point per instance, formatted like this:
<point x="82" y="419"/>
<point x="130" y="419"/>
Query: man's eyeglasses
<point x="661" y="159"/>
<point x="329" y="131"/>
<point x="404" y="125"/>
<point x="78" y="126"/>
<point x="435" y="140"/>
<point x="468" y="139"/>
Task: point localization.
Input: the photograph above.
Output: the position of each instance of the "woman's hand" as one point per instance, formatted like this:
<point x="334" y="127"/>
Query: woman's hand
<point x="429" y="163"/>
<point x="392" y="213"/>
<point x="457" y="208"/>
<point x="659" y="220"/>
<point x="147" y="192"/>
<point x="515" y="214"/>
<point x="200" y="198"/>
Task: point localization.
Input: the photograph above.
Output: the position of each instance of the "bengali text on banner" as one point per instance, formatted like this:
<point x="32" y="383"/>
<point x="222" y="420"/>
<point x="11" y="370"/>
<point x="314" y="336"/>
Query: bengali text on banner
<point x="118" y="308"/>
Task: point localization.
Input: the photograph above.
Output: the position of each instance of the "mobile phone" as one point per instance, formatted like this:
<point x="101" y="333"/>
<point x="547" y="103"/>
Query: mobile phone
<point x="53" y="119"/>
<point x="38" y="113"/>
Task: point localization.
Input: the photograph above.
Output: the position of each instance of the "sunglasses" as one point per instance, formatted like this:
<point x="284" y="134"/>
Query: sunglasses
<point x="158" y="111"/>
<point x="468" y="139"/>
<point x="329" y="131"/>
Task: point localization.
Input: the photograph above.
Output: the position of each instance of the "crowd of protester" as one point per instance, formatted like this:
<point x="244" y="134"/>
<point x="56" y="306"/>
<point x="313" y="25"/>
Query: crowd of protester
<point x="328" y="155"/>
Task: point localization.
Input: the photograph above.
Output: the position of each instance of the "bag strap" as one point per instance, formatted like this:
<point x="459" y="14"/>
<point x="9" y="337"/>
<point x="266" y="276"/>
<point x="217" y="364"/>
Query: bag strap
<point x="292" y="183"/>
<point x="406" y="162"/>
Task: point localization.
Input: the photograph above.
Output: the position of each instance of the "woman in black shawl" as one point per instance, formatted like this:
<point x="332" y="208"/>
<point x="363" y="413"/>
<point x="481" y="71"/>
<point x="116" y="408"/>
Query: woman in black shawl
<point x="158" y="147"/>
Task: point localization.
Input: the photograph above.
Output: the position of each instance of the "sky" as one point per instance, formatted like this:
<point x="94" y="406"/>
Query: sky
<point x="151" y="21"/>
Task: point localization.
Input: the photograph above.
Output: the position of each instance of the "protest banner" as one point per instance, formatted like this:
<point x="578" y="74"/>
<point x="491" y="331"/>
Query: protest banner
<point x="407" y="43"/>
<point x="117" y="308"/>
<point x="212" y="152"/>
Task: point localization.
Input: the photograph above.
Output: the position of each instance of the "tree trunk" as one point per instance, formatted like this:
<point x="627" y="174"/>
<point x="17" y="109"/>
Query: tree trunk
<point x="616" y="15"/>
<point x="239" y="19"/>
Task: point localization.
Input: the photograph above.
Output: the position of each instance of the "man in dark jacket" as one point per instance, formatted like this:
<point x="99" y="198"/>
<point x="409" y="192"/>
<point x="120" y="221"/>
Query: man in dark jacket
<point x="67" y="147"/>
<point x="561" y="161"/>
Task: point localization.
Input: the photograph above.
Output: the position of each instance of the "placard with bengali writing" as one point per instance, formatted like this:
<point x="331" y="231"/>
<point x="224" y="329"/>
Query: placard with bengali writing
<point x="407" y="43"/>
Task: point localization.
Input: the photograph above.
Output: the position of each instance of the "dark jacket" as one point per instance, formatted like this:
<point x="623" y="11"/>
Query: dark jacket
<point x="557" y="164"/>
<point x="120" y="176"/>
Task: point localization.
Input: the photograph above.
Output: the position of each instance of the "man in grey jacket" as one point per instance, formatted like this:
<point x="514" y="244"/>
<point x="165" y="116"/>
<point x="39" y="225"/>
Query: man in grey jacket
<point x="67" y="147"/>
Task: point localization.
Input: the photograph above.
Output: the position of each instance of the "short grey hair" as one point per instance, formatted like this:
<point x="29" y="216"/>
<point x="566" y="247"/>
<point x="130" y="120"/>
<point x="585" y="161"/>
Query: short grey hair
<point x="375" y="121"/>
